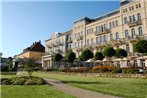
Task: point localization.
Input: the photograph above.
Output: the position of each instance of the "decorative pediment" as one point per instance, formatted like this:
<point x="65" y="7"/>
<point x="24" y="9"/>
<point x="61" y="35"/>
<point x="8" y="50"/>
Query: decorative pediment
<point x="55" y="35"/>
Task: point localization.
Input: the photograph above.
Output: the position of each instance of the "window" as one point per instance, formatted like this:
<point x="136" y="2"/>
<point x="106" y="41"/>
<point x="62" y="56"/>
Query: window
<point x="116" y="22"/>
<point x="102" y="28"/>
<point x="97" y="29"/>
<point x="117" y="36"/>
<point x="81" y="43"/>
<point x="101" y="39"/>
<point x="130" y="8"/>
<point x="87" y="41"/>
<point x="133" y="17"/>
<point x="126" y="33"/>
<point x="82" y="33"/>
<point x="139" y="16"/>
<point x="91" y="40"/>
<point x="139" y="5"/>
<point x="111" y="37"/>
<point x="110" y="25"/>
<point x="125" y="20"/>
<point x="113" y="24"/>
<point x="140" y="30"/>
<point x="133" y="33"/>
<point x="104" y="37"/>
<point x="97" y="40"/>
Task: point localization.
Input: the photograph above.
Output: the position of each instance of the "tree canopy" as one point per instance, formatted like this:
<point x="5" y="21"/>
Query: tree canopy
<point x="141" y="46"/>
<point x="57" y="57"/>
<point x="109" y="51"/>
<point x="86" y="54"/>
<point x="70" y="56"/>
<point x="98" y="56"/>
<point x="121" y="53"/>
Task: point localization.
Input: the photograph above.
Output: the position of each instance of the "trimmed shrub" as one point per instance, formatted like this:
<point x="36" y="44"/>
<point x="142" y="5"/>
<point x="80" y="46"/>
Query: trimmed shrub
<point x="130" y="71"/>
<point x="23" y="81"/>
<point x="102" y="68"/>
<point x="116" y="70"/>
<point x="6" y="81"/>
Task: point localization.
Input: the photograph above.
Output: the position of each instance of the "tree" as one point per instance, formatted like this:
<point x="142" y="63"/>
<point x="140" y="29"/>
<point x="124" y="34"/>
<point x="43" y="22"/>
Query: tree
<point x="121" y="53"/>
<point x="29" y="66"/>
<point x="109" y="52"/>
<point x="70" y="56"/>
<point x="98" y="56"/>
<point x="10" y="63"/>
<point x="57" y="58"/>
<point x="86" y="54"/>
<point x="141" y="47"/>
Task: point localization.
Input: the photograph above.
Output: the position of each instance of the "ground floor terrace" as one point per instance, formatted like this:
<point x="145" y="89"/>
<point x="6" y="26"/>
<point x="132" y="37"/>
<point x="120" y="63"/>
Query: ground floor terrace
<point x="129" y="62"/>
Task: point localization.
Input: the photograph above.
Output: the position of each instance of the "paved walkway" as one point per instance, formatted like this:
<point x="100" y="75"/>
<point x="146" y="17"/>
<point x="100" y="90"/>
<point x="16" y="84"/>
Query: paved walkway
<point x="78" y="92"/>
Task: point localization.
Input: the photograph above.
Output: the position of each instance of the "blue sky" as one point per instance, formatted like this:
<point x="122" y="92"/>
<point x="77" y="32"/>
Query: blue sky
<point x="26" y="22"/>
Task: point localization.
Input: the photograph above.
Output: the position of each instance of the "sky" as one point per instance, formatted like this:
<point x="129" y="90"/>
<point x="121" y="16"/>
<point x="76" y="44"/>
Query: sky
<point x="24" y="22"/>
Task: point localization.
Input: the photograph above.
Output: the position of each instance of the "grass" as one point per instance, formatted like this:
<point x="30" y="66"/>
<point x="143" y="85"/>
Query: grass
<point x="30" y="91"/>
<point x="43" y="91"/>
<point x="124" y="87"/>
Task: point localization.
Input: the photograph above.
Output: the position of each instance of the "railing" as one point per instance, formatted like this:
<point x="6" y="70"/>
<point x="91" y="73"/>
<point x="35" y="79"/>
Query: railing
<point x="69" y="41"/>
<point x="102" y="32"/>
<point x="135" y="23"/>
<point x="79" y="38"/>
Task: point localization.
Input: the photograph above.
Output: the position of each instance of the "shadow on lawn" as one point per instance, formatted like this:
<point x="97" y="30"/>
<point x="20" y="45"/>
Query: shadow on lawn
<point x="83" y="82"/>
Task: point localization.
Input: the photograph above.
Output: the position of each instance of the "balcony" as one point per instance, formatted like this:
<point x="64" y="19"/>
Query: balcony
<point x="135" y="23"/>
<point x="49" y="45"/>
<point x="79" y="49"/>
<point x="60" y="43"/>
<point x="116" y="42"/>
<point x="102" y="45"/>
<point x="102" y="32"/>
<point x="79" y="38"/>
<point x="69" y="41"/>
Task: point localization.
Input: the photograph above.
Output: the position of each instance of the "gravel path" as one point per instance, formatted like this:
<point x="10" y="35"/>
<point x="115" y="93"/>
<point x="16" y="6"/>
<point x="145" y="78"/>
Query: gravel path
<point x="78" y="92"/>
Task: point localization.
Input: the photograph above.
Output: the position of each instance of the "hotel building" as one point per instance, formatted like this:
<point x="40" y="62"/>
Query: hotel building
<point x="120" y="28"/>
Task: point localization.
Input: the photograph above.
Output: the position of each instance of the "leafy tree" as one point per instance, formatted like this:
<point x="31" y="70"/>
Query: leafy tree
<point x="109" y="52"/>
<point x="70" y="56"/>
<point x="29" y="66"/>
<point x="98" y="56"/>
<point x="141" y="47"/>
<point x="10" y="63"/>
<point x="121" y="53"/>
<point x="86" y="54"/>
<point x="57" y="58"/>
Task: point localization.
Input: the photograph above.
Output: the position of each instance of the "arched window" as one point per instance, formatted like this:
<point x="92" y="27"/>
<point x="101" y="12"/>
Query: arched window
<point x="117" y="36"/>
<point x="126" y="33"/>
<point x="125" y="20"/>
<point x="133" y="17"/>
<point x="133" y="33"/>
<point x="111" y="37"/>
<point x="140" y="31"/>
<point x="139" y="16"/>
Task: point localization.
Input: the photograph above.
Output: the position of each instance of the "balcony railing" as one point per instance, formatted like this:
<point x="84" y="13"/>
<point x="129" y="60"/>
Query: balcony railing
<point x="102" y="32"/>
<point x="116" y="42"/>
<point x="69" y="41"/>
<point x="60" y="43"/>
<point x="79" y="38"/>
<point x="135" y="23"/>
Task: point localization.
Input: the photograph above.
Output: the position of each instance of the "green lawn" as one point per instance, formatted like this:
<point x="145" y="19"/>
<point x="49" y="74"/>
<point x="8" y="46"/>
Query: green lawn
<point x="125" y="87"/>
<point x="43" y="91"/>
